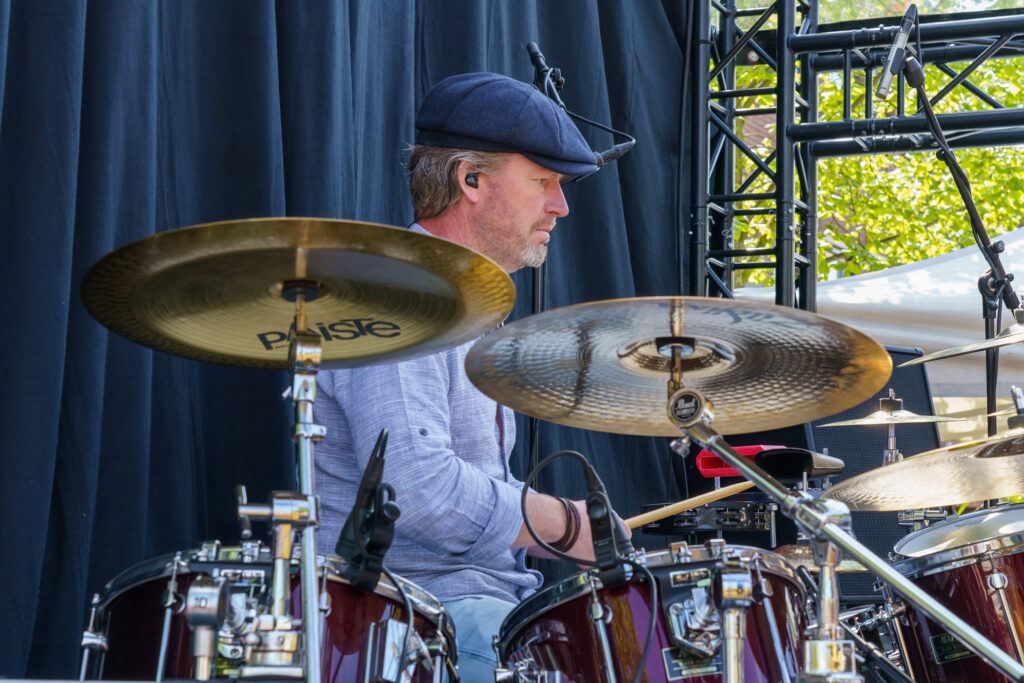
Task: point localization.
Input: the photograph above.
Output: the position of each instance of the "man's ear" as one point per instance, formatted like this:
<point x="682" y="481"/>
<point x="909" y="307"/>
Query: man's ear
<point x="469" y="182"/>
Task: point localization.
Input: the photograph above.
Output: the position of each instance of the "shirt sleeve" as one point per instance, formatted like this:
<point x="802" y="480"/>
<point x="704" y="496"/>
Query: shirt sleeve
<point x="447" y="505"/>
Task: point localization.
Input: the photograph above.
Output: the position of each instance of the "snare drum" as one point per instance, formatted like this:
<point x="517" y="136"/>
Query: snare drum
<point x="578" y="631"/>
<point x="363" y="632"/>
<point x="974" y="566"/>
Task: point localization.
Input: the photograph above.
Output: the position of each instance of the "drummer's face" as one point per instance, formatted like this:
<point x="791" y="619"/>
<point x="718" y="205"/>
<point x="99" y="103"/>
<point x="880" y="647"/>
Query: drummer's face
<point x="517" y="212"/>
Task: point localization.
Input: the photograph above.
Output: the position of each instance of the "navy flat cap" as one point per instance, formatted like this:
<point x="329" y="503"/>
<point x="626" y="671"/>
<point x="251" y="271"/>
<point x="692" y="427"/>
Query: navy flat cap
<point x="494" y="113"/>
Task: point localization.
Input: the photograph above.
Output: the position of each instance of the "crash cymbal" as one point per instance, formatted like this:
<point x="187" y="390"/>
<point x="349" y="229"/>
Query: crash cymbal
<point x="962" y="473"/>
<point x="892" y="417"/>
<point x="598" y="365"/>
<point x="1013" y="334"/>
<point x="214" y="292"/>
<point x="803" y="556"/>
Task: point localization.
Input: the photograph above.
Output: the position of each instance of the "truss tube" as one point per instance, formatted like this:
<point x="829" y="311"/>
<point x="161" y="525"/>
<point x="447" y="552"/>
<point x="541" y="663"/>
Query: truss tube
<point x="895" y="144"/>
<point x="785" y="171"/>
<point x="807" y="282"/>
<point x="861" y="59"/>
<point x="830" y="41"/>
<point x="723" y="179"/>
<point x="969" y="120"/>
<point x="701" y="133"/>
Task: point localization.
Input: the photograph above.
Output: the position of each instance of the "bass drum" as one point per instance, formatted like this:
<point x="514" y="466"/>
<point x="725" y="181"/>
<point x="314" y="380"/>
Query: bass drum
<point x="580" y="631"/>
<point x="363" y="631"/>
<point x="974" y="566"/>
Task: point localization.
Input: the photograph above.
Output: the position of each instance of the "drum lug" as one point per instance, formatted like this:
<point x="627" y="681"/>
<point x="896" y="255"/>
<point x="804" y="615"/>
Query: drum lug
<point x="206" y="608"/>
<point x="737" y="590"/>
<point x="694" y="623"/>
<point x="92" y="640"/>
<point x="998" y="582"/>
<point x="522" y="672"/>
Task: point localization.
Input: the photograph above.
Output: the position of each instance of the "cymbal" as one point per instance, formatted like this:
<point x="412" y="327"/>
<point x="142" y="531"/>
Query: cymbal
<point x="598" y="365"/>
<point x="803" y="556"/>
<point x="890" y="417"/>
<point x="216" y="292"/>
<point x="1011" y="335"/>
<point x="962" y="473"/>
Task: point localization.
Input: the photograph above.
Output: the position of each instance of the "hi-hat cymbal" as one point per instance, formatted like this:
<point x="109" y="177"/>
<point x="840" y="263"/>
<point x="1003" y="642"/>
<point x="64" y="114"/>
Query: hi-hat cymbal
<point x="600" y="365"/>
<point x="892" y="417"/>
<point x="1013" y="334"/>
<point x="216" y="292"/>
<point x="803" y="556"/>
<point x="962" y="473"/>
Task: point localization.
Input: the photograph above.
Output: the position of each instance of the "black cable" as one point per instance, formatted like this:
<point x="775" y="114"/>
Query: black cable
<point x="652" y="624"/>
<point x="590" y="563"/>
<point x="526" y="518"/>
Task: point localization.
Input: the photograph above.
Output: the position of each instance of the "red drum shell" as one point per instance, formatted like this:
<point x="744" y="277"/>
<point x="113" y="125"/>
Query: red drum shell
<point x="963" y="579"/>
<point x="552" y="631"/>
<point x="131" y="616"/>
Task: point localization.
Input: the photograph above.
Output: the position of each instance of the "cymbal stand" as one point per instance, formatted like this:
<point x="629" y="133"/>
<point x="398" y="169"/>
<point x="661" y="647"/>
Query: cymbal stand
<point x="891" y="404"/>
<point x="289" y="510"/>
<point x="827" y="522"/>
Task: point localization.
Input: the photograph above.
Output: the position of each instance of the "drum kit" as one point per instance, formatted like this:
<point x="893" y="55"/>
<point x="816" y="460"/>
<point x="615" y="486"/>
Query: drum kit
<point x="303" y="294"/>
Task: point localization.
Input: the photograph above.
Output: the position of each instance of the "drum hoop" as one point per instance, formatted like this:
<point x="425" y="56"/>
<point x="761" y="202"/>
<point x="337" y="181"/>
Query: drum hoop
<point x="960" y="556"/>
<point x="155" y="568"/>
<point x="556" y="595"/>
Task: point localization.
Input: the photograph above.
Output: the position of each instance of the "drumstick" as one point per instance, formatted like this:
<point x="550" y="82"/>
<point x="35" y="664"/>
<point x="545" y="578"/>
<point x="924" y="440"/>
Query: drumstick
<point x="688" y="504"/>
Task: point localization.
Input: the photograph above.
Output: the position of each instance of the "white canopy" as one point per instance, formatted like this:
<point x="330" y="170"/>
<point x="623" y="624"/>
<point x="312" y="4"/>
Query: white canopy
<point x="932" y="304"/>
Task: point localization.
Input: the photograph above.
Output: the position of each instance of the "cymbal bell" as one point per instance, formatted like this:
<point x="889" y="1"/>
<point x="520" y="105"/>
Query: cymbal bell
<point x="1013" y="334"/>
<point x="961" y="473"/>
<point x="606" y="366"/>
<point x="223" y="292"/>
<point x="890" y="417"/>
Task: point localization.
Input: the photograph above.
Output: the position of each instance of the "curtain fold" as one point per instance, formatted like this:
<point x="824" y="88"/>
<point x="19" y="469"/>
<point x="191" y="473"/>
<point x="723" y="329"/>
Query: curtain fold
<point x="121" y="120"/>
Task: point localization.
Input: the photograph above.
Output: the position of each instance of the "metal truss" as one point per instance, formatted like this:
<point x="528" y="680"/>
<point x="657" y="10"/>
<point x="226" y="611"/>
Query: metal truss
<point x="858" y="51"/>
<point x="721" y="198"/>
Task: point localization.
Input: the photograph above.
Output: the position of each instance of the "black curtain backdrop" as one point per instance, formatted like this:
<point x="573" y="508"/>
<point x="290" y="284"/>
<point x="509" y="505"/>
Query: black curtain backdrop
<point x="119" y="120"/>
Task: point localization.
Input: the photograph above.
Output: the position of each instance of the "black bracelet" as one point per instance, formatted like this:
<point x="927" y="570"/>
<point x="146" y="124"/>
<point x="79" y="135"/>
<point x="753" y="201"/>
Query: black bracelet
<point x="572" y="527"/>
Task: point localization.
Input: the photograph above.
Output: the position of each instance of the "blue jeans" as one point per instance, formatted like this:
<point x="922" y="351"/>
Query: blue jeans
<point x="477" y="620"/>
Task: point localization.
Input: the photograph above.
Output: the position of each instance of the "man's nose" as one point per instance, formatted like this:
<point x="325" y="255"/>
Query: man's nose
<point x="556" y="204"/>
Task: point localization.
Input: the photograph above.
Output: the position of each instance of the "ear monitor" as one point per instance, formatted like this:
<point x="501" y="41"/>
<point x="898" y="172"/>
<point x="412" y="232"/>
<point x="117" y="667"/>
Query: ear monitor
<point x="471" y="180"/>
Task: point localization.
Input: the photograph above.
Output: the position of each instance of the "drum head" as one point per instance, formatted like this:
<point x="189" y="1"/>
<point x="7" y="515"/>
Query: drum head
<point x="966" y="530"/>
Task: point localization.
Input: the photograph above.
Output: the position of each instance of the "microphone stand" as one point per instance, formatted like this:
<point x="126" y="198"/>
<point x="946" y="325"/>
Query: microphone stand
<point x="994" y="284"/>
<point x="550" y="81"/>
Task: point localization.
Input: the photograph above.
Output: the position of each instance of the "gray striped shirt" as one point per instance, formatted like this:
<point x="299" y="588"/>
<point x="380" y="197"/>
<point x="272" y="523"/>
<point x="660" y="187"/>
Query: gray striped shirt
<point x="460" y="504"/>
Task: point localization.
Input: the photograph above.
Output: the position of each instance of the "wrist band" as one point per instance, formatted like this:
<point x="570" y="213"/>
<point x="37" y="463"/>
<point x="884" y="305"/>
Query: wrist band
<point x="572" y="527"/>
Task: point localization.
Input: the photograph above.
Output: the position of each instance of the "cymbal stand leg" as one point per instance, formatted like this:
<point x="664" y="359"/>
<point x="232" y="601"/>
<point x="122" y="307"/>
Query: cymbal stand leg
<point x="829" y="656"/>
<point x="689" y="410"/>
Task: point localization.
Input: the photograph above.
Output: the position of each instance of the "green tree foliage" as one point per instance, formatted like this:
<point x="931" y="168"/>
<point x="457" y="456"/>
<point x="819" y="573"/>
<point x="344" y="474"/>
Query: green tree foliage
<point x="879" y="211"/>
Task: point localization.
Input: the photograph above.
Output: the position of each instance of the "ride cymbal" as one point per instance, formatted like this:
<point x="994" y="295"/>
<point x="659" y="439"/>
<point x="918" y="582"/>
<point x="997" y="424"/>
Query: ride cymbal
<point x="892" y="417"/>
<point x="962" y="473"/>
<point x="217" y="292"/>
<point x="598" y="365"/>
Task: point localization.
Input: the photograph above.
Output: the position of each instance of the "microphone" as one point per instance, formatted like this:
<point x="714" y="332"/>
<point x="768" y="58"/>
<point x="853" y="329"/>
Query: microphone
<point x="370" y="527"/>
<point x="607" y="534"/>
<point x="549" y="81"/>
<point x="602" y="158"/>
<point x="894" y="61"/>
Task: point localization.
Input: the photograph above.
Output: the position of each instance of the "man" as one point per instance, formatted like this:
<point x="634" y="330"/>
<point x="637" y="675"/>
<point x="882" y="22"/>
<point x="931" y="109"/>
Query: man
<point x="486" y="173"/>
